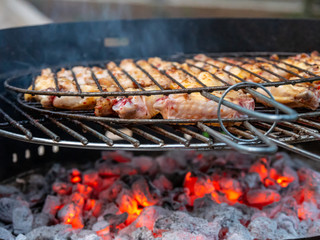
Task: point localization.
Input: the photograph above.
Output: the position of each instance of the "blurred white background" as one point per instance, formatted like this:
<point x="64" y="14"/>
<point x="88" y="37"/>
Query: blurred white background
<point x="32" y="12"/>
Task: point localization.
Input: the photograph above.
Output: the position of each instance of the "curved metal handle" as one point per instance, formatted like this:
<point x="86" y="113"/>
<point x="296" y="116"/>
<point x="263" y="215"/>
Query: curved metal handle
<point x="271" y="147"/>
<point x="291" y="115"/>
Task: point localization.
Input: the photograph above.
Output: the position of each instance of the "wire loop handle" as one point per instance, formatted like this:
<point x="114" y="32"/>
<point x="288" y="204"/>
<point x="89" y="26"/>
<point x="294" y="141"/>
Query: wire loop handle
<point x="219" y="112"/>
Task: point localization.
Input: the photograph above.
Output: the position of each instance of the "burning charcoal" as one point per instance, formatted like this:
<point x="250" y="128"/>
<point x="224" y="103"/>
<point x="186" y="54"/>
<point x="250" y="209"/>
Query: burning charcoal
<point x="107" y="182"/>
<point x="252" y="180"/>
<point x="51" y="205"/>
<point x="115" y="220"/>
<point x="142" y="233"/>
<point x="110" y="208"/>
<point x="94" y="206"/>
<point x="262" y="197"/>
<point x="162" y="183"/>
<point x="310" y="178"/>
<point x="71" y="214"/>
<point x="202" y="162"/>
<point x="308" y="210"/>
<point x="62" y="188"/>
<point x="5" y="234"/>
<point x="246" y="211"/>
<point x="119" y="156"/>
<point x="75" y="176"/>
<point x="7" y="205"/>
<point x="7" y="191"/>
<point x="61" y="232"/>
<point x="56" y="173"/>
<point x="182" y="235"/>
<point x="288" y="223"/>
<point x="41" y="219"/>
<point x="147" y="219"/>
<point x="238" y="232"/>
<point x="85" y="190"/>
<point x="260" y="167"/>
<point x="314" y="230"/>
<point x="77" y="199"/>
<point x="124" y="237"/>
<point x="214" y="210"/>
<point x="127" y="203"/>
<point x="100" y="225"/>
<point x="238" y="160"/>
<point x="21" y="237"/>
<point x="92" y="179"/>
<point x="141" y="192"/>
<point x="231" y="188"/>
<point x="104" y="233"/>
<point x="109" y="170"/>
<point x="37" y="188"/>
<point x="180" y="221"/>
<point x="85" y="235"/>
<point x="189" y="182"/>
<point x="145" y="165"/>
<point x="283" y="234"/>
<point x="167" y="164"/>
<point x="263" y="228"/>
<point x="288" y="206"/>
<point x="203" y="186"/>
<point x="22" y="219"/>
<point x="283" y="178"/>
<point x="304" y="226"/>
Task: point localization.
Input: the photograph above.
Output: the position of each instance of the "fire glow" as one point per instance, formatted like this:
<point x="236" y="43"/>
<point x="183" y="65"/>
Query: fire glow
<point x="123" y="193"/>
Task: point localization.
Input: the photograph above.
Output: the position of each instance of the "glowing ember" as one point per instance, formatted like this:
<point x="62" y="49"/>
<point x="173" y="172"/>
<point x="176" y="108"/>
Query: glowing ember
<point x="228" y="196"/>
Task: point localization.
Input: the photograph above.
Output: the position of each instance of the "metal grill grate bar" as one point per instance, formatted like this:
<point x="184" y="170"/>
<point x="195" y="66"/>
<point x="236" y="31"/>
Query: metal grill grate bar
<point x="194" y="77"/>
<point x="94" y="132"/>
<point x="16" y="124"/>
<point x="242" y="68"/>
<point x="56" y="81"/>
<point x="171" y="135"/>
<point x="301" y="128"/>
<point x="298" y="68"/>
<point x="292" y="134"/>
<point x="147" y="135"/>
<point x="94" y="77"/>
<point x="281" y="68"/>
<point x="115" y="80"/>
<point x="133" y="80"/>
<point x="124" y="136"/>
<point x="75" y="79"/>
<point x="213" y="75"/>
<point x="195" y="135"/>
<point x="32" y="120"/>
<point x="70" y="131"/>
<point x="168" y="76"/>
<point x="149" y="76"/>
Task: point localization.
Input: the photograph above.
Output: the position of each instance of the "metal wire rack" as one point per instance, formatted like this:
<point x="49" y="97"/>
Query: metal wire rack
<point x="82" y="129"/>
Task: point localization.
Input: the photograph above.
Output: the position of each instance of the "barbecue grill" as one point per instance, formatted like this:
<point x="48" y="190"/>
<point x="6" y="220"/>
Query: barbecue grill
<point x="230" y="37"/>
<point x="25" y="51"/>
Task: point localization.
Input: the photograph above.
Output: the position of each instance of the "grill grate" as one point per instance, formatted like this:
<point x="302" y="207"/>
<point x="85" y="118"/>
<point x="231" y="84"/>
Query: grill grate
<point x="91" y="134"/>
<point x="82" y="129"/>
<point x="14" y="83"/>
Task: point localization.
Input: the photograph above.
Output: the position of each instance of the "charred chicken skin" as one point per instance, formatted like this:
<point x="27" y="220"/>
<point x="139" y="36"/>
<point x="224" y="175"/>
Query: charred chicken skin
<point x="157" y="74"/>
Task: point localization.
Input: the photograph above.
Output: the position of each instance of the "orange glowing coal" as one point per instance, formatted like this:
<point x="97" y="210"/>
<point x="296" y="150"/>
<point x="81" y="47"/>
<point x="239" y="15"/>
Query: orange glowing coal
<point x="76" y="179"/>
<point x="87" y="193"/>
<point x="75" y="176"/>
